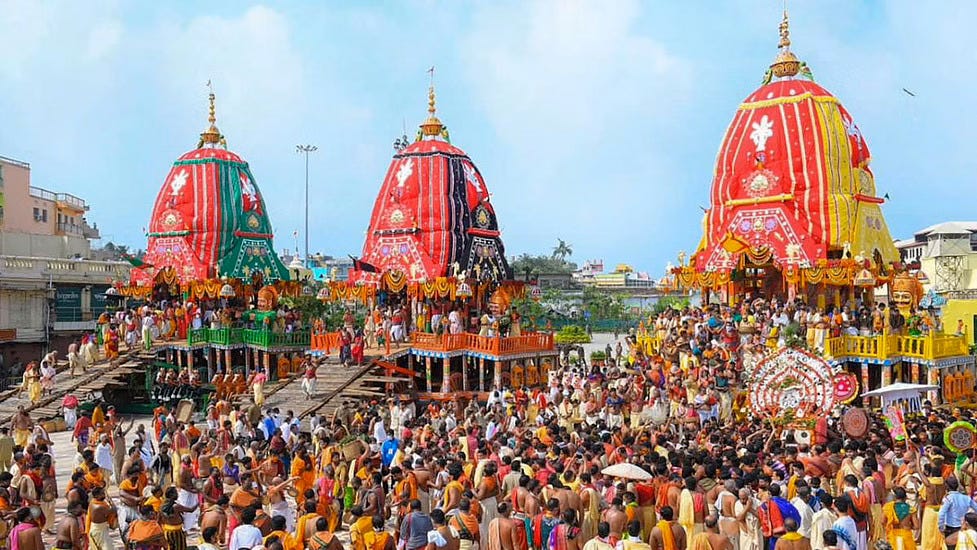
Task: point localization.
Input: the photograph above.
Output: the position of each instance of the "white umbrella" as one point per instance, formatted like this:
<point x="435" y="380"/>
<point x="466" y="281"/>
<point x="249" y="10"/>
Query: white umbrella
<point x="627" y="470"/>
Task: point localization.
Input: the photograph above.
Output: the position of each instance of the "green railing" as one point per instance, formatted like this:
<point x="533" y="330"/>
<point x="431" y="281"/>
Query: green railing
<point x="260" y="338"/>
<point x="218" y="336"/>
<point x="269" y="339"/>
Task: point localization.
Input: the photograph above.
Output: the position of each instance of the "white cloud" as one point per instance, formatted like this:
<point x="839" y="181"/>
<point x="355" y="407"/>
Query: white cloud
<point x="582" y="101"/>
<point x="255" y="69"/>
<point x="568" y="69"/>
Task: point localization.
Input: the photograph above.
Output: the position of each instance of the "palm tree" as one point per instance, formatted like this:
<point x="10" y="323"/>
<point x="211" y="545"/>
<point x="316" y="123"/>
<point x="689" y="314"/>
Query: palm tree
<point x="562" y="250"/>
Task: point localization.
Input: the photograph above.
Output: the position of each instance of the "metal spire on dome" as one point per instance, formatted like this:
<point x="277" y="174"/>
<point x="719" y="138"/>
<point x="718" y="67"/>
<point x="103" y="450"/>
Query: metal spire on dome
<point x="432" y="127"/>
<point x="786" y="64"/>
<point x="211" y="135"/>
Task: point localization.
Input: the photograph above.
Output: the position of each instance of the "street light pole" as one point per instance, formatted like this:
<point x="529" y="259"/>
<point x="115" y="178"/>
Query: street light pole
<point x="306" y="149"/>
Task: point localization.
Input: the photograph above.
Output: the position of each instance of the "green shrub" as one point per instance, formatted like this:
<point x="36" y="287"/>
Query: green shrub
<point x="572" y="334"/>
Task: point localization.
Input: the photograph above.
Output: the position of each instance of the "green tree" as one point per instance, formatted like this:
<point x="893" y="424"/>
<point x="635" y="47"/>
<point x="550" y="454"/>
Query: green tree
<point x="665" y="302"/>
<point x="603" y="305"/>
<point x="529" y="266"/>
<point x="538" y="311"/>
<point x="562" y="250"/>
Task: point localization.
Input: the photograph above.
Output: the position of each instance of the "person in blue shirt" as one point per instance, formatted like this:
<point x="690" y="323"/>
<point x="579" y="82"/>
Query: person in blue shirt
<point x="955" y="506"/>
<point x="268" y="425"/>
<point x="389" y="450"/>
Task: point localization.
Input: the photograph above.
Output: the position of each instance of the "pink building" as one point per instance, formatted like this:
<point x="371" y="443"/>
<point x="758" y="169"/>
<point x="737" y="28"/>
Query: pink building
<point x="38" y="222"/>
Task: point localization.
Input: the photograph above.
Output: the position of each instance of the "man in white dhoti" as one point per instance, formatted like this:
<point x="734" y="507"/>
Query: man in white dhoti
<point x="187" y="494"/>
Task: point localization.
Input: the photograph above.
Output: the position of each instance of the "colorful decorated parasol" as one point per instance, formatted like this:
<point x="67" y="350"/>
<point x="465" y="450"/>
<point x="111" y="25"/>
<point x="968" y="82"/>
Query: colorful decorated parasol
<point x="845" y="387"/>
<point x="855" y="423"/>
<point x="960" y="436"/>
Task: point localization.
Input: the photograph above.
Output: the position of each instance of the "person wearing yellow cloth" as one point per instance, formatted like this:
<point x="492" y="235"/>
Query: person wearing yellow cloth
<point x="323" y="538"/>
<point x="278" y="531"/>
<point x="94" y="476"/>
<point x="966" y="537"/>
<point x="600" y="542"/>
<point x="711" y="538"/>
<point x="378" y="539"/>
<point x="791" y="540"/>
<point x="303" y="473"/>
<point x="544" y="436"/>
<point x="930" y="537"/>
<point x="667" y="535"/>
<point x="691" y="508"/>
<point x="797" y="473"/>
<point x="304" y="526"/>
<point x="98" y="416"/>
<point x="899" y="521"/>
<point x="453" y="490"/>
<point x="359" y="528"/>
<point x="22" y="427"/>
<point x="155" y="498"/>
<point x="102" y="518"/>
<point x="327" y="498"/>
<point x="32" y="382"/>
<point x="171" y="519"/>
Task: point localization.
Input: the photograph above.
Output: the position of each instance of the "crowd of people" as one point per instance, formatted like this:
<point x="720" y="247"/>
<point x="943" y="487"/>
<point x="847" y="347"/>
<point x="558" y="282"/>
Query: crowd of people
<point x="526" y="469"/>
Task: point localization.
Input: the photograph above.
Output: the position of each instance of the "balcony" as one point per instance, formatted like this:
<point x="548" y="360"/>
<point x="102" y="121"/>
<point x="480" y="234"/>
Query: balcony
<point x="43" y="194"/>
<point x="65" y="228"/>
<point x="888" y="346"/>
<point x="880" y="348"/>
<point x="497" y="346"/>
<point x="63" y="270"/>
<point x="67" y="200"/>
<point x="256" y="338"/>
<point x="64" y="200"/>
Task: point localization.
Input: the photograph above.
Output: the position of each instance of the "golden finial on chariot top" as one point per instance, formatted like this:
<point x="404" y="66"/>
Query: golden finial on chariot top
<point x="211" y="135"/>
<point x="786" y="64"/>
<point x="432" y="126"/>
<point x="785" y="32"/>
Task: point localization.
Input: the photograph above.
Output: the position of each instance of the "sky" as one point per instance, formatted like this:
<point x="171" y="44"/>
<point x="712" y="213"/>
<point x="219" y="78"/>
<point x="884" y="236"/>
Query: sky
<point x="595" y="122"/>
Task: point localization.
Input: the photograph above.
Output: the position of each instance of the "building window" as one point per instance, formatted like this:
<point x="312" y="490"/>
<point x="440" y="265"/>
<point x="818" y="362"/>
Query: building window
<point x="44" y="215"/>
<point x="37" y="214"/>
<point x="973" y="242"/>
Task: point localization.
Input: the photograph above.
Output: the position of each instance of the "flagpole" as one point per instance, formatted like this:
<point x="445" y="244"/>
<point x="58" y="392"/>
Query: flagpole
<point x="306" y="149"/>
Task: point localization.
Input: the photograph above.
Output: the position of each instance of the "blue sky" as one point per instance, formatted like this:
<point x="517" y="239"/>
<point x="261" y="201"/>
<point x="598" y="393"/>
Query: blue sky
<point x="594" y="122"/>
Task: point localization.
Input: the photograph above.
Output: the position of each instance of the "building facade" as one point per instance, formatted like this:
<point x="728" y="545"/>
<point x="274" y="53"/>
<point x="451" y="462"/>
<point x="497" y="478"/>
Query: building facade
<point x="51" y="292"/>
<point x="945" y="256"/>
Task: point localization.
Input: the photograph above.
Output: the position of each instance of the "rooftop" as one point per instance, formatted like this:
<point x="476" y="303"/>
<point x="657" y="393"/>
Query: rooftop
<point x="949" y="228"/>
<point x="15" y="162"/>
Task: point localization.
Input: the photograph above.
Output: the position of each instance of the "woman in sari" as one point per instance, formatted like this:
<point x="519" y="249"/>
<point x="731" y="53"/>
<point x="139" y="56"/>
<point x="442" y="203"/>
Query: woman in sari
<point x="32" y="382"/>
<point x="258" y="387"/>
<point x="112" y="344"/>
<point x="565" y="536"/>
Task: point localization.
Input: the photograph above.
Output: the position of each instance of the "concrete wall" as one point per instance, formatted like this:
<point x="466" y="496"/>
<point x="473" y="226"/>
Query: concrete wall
<point x="23" y="310"/>
<point x="17" y="213"/>
<point x="957" y="310"/>
<point x="43" y="246"/>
